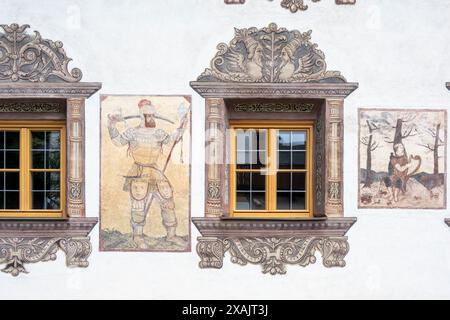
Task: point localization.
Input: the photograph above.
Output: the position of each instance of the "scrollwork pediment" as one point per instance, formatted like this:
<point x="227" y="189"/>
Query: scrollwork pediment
<point x="270" y="55"/>
<point x="30" y="58"/>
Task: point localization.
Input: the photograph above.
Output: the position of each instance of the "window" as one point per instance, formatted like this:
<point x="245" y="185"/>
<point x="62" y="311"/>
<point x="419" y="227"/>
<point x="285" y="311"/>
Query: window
<point x="32" y="162"/>
<point x="271" y="174"/>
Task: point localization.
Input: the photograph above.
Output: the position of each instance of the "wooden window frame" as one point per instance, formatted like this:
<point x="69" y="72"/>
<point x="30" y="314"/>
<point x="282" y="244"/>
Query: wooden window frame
<point x="25" y="128"/>
<point x="272" y="168"/>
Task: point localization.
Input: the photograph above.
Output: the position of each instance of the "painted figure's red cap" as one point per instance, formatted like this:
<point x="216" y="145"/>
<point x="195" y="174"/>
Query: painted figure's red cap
<point x="144" y="102"/>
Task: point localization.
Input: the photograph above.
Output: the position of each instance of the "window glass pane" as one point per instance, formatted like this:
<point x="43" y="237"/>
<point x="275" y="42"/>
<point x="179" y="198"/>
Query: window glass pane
<point x="260" y="141"/>
<point x="12" y="140"/>
<point x="284" y="160"/>
<point x="284" y="140"/>
<point x="38" y="181"/>
<point x="258" y="201"/>
<point x="284" y="181"/>
<point x="46" y="150"/>
<point x="52" y="181"/>
<point x="299" y="140"/>
<point x="299" y="181"/>
<point x="2" y="140"/>
<point x="38" y="200"/>
<point x="38" y="140"/>
<point x="243" y="140"/>
<point x="53" y="161"/>
<point x="2" y="200"/>
<point x="12" y="160"/>
<point x="243" y="181"/>
<point x="298" y="201"/>
<point x="38" y="160"/>
<point x="258" y="182"/>
<point x="258" y="159"/>
<point x="2" y="181"/>
<point x="243" y="201"/>
<point x="12" y="181"/>
<point x="12" y="200"/>
<point x="52" y="140"/>
<point x="251" y="139"/>
<point x="53" y="201"/>
<point x="243" y="160"/>
<point x="283" y="201"/>
<point x="2" y="159"/>
<point x="299" y="160"/>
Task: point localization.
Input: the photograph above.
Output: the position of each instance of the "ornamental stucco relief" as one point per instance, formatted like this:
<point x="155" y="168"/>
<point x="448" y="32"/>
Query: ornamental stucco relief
<point x="270" y="55"/>
<point x="295" y="5"/>
<point x="25" y="57"/>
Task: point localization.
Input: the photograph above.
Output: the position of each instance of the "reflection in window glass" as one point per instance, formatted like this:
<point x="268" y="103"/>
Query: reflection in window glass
<point x="46" y="157"/>
<point x="291" y="184"/>
<point x="46" y="150"/>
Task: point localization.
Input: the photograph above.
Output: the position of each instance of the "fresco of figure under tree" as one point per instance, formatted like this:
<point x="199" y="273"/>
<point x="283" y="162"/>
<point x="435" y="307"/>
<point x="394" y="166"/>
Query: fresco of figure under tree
<point x="402" y="158"/>
<point x="151" y="149"/>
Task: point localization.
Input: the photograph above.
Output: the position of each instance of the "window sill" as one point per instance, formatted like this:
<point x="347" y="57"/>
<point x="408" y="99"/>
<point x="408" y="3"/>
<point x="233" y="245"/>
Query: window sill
<point x="245" y="227"/>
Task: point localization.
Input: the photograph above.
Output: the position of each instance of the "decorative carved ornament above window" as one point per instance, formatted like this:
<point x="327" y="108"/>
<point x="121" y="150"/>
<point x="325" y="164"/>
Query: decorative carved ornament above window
<point x="35" y="84"/>
<point x="31" y="107"/>
<point x="274" y="107"/>
<point x="30" y="58"/>
<point x="294" y="5"/>
<point x="270" y="55"/>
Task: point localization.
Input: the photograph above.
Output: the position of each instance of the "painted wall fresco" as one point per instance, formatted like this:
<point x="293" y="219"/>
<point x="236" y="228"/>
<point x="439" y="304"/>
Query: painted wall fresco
<point x="402" y="158"/>
<point x="145" y="173"/>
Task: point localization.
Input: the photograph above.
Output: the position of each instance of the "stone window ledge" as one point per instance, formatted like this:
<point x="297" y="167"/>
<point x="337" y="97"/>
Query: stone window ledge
<point x="40" y="240"/>
<point x="273" y="244"/>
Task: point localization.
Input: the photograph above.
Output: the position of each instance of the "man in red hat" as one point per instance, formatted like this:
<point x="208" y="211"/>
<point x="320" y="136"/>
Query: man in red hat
<point x="145" y="182"/>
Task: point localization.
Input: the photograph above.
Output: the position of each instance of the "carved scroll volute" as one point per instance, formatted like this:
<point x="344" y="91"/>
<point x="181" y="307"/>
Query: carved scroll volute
<point x="75" y="158"/>
<point x="334" y="158"/>
<point x="215" y="157"/>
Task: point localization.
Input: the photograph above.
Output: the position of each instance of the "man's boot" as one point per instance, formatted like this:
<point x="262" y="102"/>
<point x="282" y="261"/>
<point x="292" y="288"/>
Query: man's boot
<point x="172" y="237"/>
<point x="138" y="237"/>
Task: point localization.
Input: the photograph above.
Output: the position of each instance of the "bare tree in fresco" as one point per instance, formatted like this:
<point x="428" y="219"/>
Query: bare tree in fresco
<point x="434" y="147"/>
<point x="371" y="147"/>
<point x="400" y="133"/>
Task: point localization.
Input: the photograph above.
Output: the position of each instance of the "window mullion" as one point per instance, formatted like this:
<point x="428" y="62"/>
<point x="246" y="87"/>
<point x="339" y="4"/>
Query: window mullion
<point x="272" y="190"/>
<point x="23" y="169"/>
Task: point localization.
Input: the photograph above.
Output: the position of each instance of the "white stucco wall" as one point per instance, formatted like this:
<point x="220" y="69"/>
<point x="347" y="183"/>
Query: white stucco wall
<point x="398" y="51"/>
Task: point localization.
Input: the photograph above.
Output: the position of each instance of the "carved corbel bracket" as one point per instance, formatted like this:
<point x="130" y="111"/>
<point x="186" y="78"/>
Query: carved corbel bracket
<point x="295" y="5"/>
<point x="273" y="244"/>
<point x="27" y="242"/>
<point x="274" y="253"/>
<point x="17" y="252"/>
